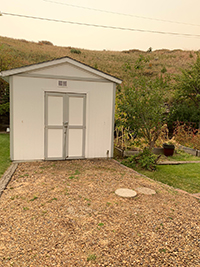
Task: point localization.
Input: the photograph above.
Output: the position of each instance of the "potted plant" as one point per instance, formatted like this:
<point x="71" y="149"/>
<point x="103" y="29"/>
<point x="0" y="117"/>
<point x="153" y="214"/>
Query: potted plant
<point x="168" y="149"/>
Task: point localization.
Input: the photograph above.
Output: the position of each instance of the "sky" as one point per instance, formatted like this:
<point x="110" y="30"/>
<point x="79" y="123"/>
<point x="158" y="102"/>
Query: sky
<point x="175" y="16"/>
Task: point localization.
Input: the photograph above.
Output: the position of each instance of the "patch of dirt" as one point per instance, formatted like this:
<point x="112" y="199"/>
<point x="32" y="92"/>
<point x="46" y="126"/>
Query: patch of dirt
<point x="65" y="213"/>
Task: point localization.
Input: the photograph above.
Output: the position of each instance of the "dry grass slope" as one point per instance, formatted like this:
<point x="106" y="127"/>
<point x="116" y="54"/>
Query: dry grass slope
<point x="15" y="53"/>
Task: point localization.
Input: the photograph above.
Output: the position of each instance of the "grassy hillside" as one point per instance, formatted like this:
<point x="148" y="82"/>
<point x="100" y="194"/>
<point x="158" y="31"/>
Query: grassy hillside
<point x="15" y="53"/>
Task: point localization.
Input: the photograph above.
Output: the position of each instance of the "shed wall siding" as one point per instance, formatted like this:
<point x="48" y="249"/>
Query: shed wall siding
<point x="28" y="118"/>
<point x="28" y="115"/>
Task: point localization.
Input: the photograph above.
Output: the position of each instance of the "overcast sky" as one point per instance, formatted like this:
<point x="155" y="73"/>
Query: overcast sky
<point x="185" y="12"/>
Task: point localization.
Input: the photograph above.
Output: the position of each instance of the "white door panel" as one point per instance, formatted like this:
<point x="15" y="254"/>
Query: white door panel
<point x="55" y="143"/>
<point x="76" y="111"/>
<point x="75" y="144"/>
<point x="76" y="126"/>
<point x="55" y="110"/>
<point x="54" y="134"/>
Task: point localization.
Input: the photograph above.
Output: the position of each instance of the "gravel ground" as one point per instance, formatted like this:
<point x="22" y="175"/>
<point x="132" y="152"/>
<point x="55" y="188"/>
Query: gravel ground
<point x="65" y="213"/>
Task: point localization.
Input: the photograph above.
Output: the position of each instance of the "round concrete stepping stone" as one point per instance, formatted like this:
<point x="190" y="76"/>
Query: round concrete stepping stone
<point x="124" y="192"/>
<point x="146" y="191"/>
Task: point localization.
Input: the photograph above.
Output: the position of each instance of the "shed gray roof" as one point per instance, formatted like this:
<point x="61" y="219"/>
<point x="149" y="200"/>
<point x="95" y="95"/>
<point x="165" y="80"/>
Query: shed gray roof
<point x="58" y="61"/>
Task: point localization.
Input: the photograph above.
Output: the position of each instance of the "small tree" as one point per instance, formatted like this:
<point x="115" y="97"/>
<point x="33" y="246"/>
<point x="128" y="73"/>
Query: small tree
<point x="188" y="86"/>
<point x="140" y="63"/>
<point x="142" y="108"/>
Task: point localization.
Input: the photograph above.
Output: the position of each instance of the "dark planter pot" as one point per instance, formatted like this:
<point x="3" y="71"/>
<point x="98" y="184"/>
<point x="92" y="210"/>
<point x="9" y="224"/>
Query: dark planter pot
<point x="168" y="150"/>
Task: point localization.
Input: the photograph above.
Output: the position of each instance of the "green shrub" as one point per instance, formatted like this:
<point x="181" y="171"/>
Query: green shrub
<point x="45" y="43"/>
<point x="146" y="160"/>
<point x="149" y="50"/>
<point x="91" y="257"/>
<point x="183" y="112"/>
<point x="4" y="108"/>
<point x="126" y="66"/>
<point x="164" y="69"/>
<point x="75" y="51"/>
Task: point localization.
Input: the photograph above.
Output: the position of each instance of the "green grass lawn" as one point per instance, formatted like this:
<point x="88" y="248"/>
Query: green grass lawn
<point x="4" y="153"/>
<point x="185" y="176"/>
<point x="180" y="156"/>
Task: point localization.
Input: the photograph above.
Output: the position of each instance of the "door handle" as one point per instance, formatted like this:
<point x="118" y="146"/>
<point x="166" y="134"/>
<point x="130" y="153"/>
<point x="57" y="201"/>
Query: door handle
<point x="65" y="124"/>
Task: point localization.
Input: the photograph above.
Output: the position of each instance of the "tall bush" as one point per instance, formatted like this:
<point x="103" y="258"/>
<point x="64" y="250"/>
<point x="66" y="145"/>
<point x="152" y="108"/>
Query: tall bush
<point x="141" y="108"/>
<point x="184" y="112"/>
<point x="187" y="88"/>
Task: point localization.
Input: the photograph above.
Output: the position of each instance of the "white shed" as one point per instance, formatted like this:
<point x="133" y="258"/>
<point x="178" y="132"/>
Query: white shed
<point x="60" y="109"/>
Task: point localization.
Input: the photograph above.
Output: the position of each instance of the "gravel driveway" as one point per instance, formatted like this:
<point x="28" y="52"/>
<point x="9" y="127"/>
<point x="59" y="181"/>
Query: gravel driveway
<point x="65" y="213"/>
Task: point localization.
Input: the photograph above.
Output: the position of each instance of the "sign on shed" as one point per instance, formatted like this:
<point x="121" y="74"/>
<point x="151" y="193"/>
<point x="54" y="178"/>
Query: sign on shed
<point x="60" y="109"/>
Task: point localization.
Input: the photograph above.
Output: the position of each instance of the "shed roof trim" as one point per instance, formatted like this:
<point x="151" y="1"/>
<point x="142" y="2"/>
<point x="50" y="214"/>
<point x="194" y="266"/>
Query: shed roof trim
<point x="57" y="62"/>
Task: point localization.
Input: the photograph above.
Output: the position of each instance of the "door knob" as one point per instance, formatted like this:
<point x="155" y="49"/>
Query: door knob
<point x="65" y="124"/>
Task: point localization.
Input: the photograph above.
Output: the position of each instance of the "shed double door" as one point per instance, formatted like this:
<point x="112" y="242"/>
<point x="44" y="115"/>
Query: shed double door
<point x="64" y="126"/>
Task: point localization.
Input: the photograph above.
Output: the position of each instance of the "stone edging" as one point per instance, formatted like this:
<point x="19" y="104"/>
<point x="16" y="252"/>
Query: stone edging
<point x="7" y="177"/>
<point x="191" y="151"/>
<point x="177" y="162"/>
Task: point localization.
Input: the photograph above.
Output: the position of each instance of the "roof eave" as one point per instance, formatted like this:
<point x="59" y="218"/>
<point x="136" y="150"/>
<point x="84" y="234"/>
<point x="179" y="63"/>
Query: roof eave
<point x="5" y="78"/>
<point x="56" y="62"/>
